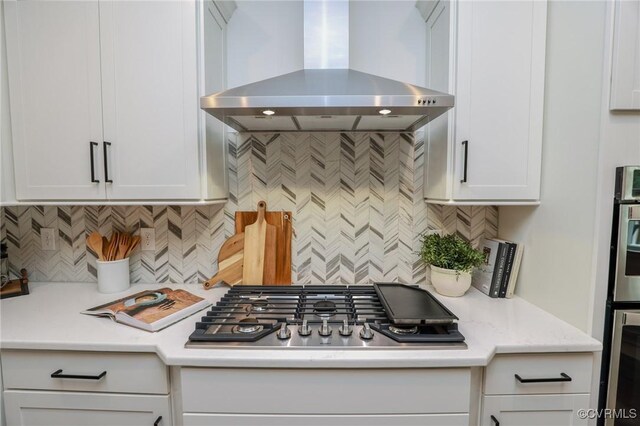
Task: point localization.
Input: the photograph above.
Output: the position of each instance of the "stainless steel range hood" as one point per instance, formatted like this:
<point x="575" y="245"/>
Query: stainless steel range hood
<point x="326" y="95"/>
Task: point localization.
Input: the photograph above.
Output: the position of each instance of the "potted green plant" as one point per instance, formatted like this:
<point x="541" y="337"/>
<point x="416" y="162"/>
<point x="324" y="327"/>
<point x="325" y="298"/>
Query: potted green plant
<point x="451" y="260"/>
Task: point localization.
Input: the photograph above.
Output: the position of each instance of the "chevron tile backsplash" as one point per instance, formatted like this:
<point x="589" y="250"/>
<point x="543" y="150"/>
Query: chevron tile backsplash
<point x="356" y="200"/>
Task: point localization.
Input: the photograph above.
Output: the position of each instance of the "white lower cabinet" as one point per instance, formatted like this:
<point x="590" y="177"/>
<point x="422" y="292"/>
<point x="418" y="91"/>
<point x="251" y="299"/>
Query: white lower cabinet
<point x="323" y="420"/>
<point x="537" y="389"/>
<point x="33" y="408"/>
<point x="69" y="388"/>
<point x="534" y="410"/>
<point x="251" y="396"/>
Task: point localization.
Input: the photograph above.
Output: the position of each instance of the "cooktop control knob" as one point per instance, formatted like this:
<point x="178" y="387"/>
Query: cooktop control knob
<point x="325" y="329"/>
<point x="366" y="333"/>
<point x="304" y="330"/>
<point x="284" y="333"/>
<point x="345" y="329"/>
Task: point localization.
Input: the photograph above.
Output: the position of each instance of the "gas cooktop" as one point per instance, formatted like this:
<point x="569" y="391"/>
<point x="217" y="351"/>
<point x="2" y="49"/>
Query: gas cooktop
<point x="316" y="317"/>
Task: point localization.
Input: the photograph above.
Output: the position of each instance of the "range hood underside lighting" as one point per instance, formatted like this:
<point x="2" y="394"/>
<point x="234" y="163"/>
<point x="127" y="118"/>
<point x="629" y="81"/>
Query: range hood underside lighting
<point x="325" y="122"/>
<point x="327" y="100"/>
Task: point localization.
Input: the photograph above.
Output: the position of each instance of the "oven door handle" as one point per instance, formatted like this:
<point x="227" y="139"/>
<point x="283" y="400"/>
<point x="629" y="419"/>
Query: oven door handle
<point x="630" y="318"/>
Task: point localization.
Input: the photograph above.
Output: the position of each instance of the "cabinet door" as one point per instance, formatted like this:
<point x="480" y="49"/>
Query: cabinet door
<point x="437" y="168"/>
<point x="30" y="408"/>
<point x="214" y="74"/>
<point x="625" y="70"/>
<point x="499" y="100"/>
<point x="53" y="54"/>
<point x="534" y="410"/>
<point x="150" y="99"/>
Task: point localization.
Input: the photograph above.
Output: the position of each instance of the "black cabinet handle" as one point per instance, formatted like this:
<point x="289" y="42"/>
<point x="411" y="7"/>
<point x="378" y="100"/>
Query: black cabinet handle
<point x="465" y="144"/>
<point x="58" y="375"/>
<point x="93" y="168"/>
<point x="563" y="378"/>
<point x="106" y="161"/>
<point x="157" y="422"/>
<point x="495" y="421"/>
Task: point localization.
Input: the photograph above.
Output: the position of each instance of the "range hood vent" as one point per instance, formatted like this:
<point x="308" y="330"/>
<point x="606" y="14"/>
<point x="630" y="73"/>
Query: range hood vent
<point x="323" y="96"/>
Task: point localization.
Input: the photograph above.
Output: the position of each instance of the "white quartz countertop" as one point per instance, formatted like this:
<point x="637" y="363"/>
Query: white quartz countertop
<point x="49" y="319"/>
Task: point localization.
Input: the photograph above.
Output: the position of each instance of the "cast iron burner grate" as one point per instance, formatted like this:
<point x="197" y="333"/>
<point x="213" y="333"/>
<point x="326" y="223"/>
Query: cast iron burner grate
<point x="252" y="315"/>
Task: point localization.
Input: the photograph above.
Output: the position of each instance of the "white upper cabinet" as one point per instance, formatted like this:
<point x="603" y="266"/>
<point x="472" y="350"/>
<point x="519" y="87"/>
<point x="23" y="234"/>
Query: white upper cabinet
<point x="625" y="70"/>
<point x="491" y="56"/>
<point x="53" y="51"/>
<point x="150" y="99"/>
<point x="214" y="79"/>
<point x="113" y="87"/>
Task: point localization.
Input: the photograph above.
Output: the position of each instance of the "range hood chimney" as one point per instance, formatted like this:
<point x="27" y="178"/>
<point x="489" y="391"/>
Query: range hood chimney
<point x="327" y="95"/>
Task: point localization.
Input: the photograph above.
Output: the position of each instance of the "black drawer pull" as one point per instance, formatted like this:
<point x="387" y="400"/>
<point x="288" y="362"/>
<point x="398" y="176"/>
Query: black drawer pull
<point x="465" y="144"/>
<point x="157" y="422"/>
<point x="495" y="421"/>
<point x="93" y="169"/>
<point x="106" y="161"/>
<point x="58" y="375"/>
<point x="563" y="378"/>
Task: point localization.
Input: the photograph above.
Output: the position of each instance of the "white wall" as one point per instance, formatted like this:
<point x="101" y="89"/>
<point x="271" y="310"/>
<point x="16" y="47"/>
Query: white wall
<point x="7" y="188"/>
<point x="620" y="145"/>
<point x="388" y="38"/>
<point x="264" y="39"/>
<point x="559" y="235"/>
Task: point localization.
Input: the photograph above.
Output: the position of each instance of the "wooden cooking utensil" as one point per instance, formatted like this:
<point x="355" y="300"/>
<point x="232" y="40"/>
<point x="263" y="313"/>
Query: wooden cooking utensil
<point x="123" y="246"/>
<point x="105" y="248"/>
<point x="135" y="240"/>
<point x="94" y="241"/>
<point x="257" y="237"/>
<point x="230" y="262"/>
<point x="283" y="221"/>
<point x="113" y="246"/>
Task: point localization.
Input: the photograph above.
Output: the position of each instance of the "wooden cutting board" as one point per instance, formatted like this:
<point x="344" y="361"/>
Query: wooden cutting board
<point x="230" y="262"/>
<point x="284" y="230"/>
<point x="259" y="250"/>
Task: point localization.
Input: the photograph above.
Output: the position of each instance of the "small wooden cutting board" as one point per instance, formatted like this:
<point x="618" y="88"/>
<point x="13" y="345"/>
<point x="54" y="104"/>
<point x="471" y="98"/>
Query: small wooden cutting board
<point x="259" y="250"/>
<point x="282" y="220"/>
<point x="230" y="262"/>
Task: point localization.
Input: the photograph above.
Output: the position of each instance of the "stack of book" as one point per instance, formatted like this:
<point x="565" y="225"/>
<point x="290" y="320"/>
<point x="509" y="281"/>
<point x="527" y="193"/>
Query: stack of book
<point x="498" y="275"/>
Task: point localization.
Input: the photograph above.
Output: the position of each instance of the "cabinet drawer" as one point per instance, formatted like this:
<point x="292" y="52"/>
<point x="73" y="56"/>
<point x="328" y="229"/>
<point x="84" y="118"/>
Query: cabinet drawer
<point x="339" y="420"/>
<point x="559" y="409"/>
<point x="38" y="408"/>
<point x="325" y="391"/>
<point x="125" y="372"/>
<point x="500" y="378"/>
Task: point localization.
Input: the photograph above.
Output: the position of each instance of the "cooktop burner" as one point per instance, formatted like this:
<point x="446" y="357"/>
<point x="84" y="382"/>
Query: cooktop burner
<point x="313" y="317"/>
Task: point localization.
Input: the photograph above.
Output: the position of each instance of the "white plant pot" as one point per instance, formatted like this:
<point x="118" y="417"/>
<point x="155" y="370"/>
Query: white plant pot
<point x="449" y="282"/>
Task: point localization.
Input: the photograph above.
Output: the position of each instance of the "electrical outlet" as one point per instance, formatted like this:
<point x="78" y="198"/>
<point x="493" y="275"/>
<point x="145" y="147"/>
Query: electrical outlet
<point x="147" y="239"/>
<point x="48" y="238"/>
<point x="434" y="231"/>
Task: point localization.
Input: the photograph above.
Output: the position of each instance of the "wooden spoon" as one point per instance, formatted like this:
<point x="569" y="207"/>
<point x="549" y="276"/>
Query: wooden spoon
<point x="135" y="240"/>
<point x="94" y="241"/>
<point x="105" y="247"/>
<point x="113" y="246"/>
<point x="123" y="245"/>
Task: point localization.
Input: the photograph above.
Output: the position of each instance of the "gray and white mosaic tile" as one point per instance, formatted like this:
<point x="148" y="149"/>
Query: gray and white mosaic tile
<point x="356" y="200"/>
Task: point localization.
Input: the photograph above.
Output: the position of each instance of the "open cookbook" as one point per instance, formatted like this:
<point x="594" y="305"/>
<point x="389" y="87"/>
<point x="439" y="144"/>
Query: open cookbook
<point x="151" y="310"/>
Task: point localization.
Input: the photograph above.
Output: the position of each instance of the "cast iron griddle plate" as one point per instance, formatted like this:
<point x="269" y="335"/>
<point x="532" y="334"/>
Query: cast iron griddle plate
<point x="412" y="305"/>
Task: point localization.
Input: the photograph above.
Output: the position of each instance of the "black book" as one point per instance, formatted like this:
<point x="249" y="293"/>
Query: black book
<point x="511" y="254"/>
<point x="498" y="272"/>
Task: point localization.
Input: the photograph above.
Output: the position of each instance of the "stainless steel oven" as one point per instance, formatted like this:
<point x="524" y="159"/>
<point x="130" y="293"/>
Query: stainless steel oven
<point x="627" y="217"/>
<point x="624" y="373"/>
<point x="627" y="283"/>
<point x="620" y="374"/>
